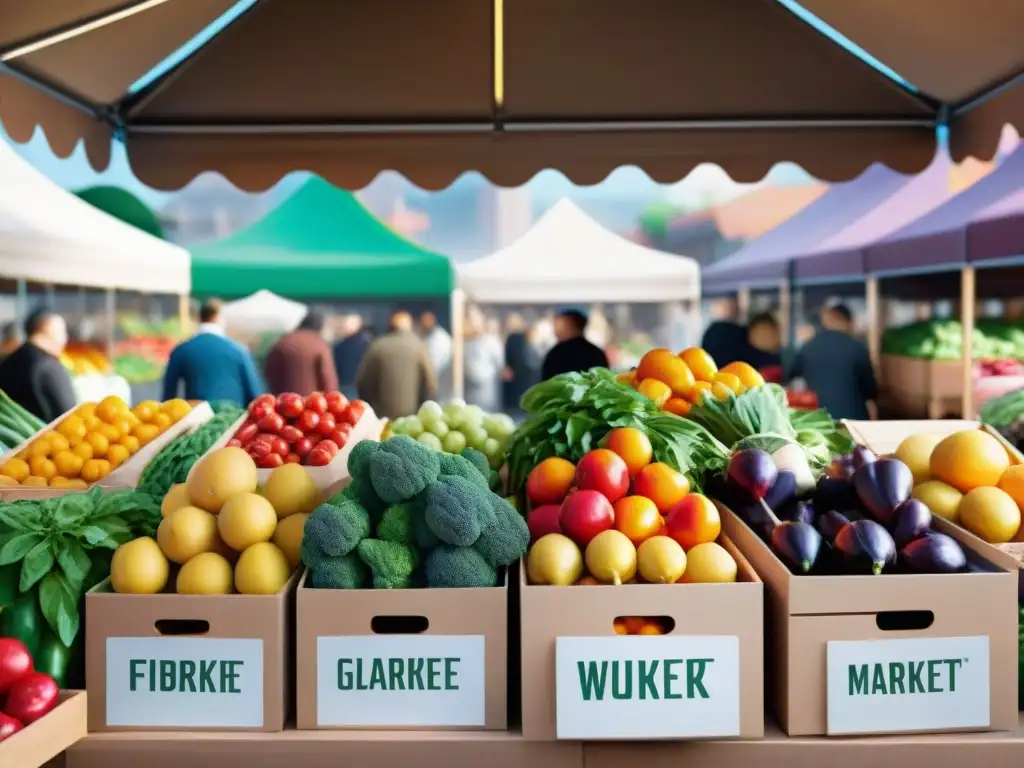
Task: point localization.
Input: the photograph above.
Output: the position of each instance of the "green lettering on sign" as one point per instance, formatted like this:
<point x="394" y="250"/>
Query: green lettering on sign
<point x="643" y="679"/>
<point x="903" y="677"/>
<point x="398" y="674"/>
<point x="184" y="676"/>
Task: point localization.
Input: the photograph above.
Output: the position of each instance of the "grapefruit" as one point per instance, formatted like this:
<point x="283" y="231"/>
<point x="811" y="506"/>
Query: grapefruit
<point x="261" y="570"/>
<point x="288" y="537"/>
<point x="991" y="514"/>
<point x="223" y="474"/>
<point x="245" y="520"/>
<point x="187" y="532"/>
<point x="176" y="498"/>
<point x="942" y="499"/>
<point x="916" y="452"/>
<point x="290" y="489"/>
<point x="969" y="459"/>
<point x="139" y="568"/>
<point x="205" y="574"/>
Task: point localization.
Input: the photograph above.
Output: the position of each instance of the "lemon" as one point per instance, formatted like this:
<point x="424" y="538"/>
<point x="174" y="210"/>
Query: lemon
<point x="261" y="570"/>
<point x="187" y="532"/>
<point x="916" y="452"/>
<point x="288" y="538"/>
<point x="660" y="560"/>
<point x="205" y="574"/>
<point x="290" y="489"/>
<point x="139" y="568"/>
<point x="246" y="519"/>
<point x="176" y="498"/>
<point x="709" y="563"/>
<point x="942" y="499"/>
<point x="990" y="514"/>
<point x="224" y="473"/>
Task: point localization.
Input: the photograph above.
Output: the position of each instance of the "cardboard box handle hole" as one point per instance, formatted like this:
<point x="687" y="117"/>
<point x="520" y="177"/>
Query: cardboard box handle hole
<point x="643" y="625"/>
<point x="174" y="627"/>
<point x="399" y="625"/>
<point x="904" y="621"/>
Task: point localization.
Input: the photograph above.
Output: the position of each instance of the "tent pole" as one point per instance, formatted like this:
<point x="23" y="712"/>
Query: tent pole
<point x="874" y="323"/>
<point x="967" y="301"/>
<point x="21" y="301"/>
<point x="785" y="311"/>
<point x="458" y="314"/>
<point x="183" y="314"/>
<point x="111" y="323"/>
<point x="743" y="304"/>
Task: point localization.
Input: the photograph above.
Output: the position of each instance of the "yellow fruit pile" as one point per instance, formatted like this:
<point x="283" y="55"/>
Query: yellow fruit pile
<point x="91" y="442"/>
<point x="226" y="533"/>
<point x="678" y="382"/>
<point x="967" y="478"/>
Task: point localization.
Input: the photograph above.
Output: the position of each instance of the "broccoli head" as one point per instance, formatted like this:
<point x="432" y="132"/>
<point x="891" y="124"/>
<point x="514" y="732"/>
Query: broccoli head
<point x="359" y="457"/>
<point x="397" y="524"/>
<point x="424" y="538"/>
<point x="457" y="510"/>
<point x="458" y="567"/>
<point x="392" y="564"/>
<point x="477" y="459"/>
<point x="345" y="572"/>
<point x="336" y="529"/>
<point x="401" y="468"/>
<point x="494" y="481"/>
<point x="457" y="466"/>
<point x="507" y="538"/>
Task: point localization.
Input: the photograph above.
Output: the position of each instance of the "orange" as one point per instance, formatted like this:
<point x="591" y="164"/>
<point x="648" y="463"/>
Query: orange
<point x="146" y="410"/>
<point x="662" y="485"/>
<point x="84" y="450"/>
<point x="637" y="517"/>
<point x="626" y="378"/>
<point x="721" y="391"/>
<point x="696" y="395"/>
<point x="68" y="464"/>
<point x="177" y="409"/>
<point x="162" y="421"/>
<point x="123" y="426"/>
<point x="32" y="481"/>
<point x="632" y="445"/>
<point x="656" y="390"/>
<point x="969" y="459"/>
<point x="145" y="433"/>
<point x="117" y="455"/>
<point x="16" y="469"/>
<point x="59" y="482"/>
<point x="73" y="428"/>
<point x="76" y="483"/>
<point x="57" y="442"/>
<point x="731" y="380"/>
<point x="667" y="368"/>
<point x="620" y="627"/>
<point x="633" y="624"/>
<point x="40" y="448"/>
<point x="676" y="405"/>
<point x="746" y="373"/>
<point x="110" y="409"/>
<point x="700" y="363"/>
<point x="95" y="470"/>
<point x="1012" y="483"/>
<point x="91" y="423"/>
<point x="651" y="628"/>
<point x="109" y="431"/>
<point x="549" y="482"/>
<point x="42" y="467"/>
<point x="86" y="410"/>
<point x="99" y="443"/>
<point x="694" y="520"/>
<point x="131" y="442"/>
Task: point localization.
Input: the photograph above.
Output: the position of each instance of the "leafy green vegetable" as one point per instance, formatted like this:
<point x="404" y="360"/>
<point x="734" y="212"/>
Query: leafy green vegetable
<point x="1003" y="411"/>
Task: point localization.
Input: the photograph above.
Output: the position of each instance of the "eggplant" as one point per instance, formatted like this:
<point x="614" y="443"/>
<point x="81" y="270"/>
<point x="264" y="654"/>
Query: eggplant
<point x="865" y="547"/>
<point x="835" y="493"/>
<point x="783" y="490"/>
<point x="798" y="511"/>
<point x="862" y="456"/>
<point x="882" y="486"/>
<point x="910" y="521"/>
<point x="841" y="468"/>
<point x="934" y="553"/>
<point x="753" y="472"/>
<point x="830" y="523"/>
<point x="797" y="544"/>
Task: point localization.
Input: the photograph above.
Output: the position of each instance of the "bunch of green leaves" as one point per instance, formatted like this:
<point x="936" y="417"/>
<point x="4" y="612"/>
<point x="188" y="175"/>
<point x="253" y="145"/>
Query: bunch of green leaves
<point x="172" y="464"/>
<point x="62" y="546"/>
<point x="569" y="415"/>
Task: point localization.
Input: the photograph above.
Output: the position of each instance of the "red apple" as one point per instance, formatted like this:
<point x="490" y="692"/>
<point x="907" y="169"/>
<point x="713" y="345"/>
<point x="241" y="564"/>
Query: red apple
<point x="543" y="520"/>
<point x="584" y="514"/>
<point x="603" y="471"/>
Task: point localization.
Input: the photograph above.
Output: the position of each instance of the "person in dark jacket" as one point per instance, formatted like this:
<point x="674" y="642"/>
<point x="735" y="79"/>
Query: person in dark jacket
<point x="397" y="374"/>
<point x="301" y="361"/>
<point x="211" y="366"/>
<point x="573" y="352"/>
<point x="837" y="367"/>
<point x="33" y="375"/>
<point x="522" y="364"/>
<point x="725" y="339"/>
<point x="349" y="353"/>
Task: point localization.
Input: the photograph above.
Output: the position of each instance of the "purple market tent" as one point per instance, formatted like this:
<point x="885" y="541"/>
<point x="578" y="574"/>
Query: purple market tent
<point x="996" y="235"/>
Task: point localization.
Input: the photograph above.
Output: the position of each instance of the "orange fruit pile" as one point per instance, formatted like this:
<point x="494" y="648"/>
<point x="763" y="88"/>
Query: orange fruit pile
<point x="91" y="442"/>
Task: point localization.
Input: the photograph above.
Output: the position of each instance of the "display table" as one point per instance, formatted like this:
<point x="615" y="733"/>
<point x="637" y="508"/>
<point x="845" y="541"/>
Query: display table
<point x="454" y="749"/>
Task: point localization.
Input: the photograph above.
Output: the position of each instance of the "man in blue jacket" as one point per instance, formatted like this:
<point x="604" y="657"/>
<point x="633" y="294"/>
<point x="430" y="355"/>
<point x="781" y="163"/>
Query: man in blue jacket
<point x="212" y="366"/>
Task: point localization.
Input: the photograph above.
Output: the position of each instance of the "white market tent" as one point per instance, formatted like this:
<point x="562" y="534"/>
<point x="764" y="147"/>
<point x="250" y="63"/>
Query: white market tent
<point x="567" y="257"/>
<point x="263" y="312"/>
<point x="50" y="236"/>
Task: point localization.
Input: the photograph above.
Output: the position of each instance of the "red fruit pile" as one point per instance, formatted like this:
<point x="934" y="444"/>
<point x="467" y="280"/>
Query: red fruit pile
<point x="290" y="429"/>
<point x="25" y="695"/>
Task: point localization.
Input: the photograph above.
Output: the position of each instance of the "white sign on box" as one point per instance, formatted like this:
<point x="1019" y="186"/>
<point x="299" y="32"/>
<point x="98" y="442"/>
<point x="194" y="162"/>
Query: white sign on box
<point x="184" y="682"/>
<point x="651" y="687"/>
<point x="896" y="686"/>
<point x="401" y="680"/>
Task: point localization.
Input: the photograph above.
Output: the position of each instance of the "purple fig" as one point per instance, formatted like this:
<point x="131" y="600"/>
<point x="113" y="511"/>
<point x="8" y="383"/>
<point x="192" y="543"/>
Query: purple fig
<point x="783" y="490"/>
<point x="882" y="486"/>
<point x="753" y="471"/>
<point x="934" y="553"/>
<point x="865" y="547"/>
<point x="862" y="456"/>
<point x="830" y="523"/>
<point x="797" y="544"/>
<point x="909" y="521"/>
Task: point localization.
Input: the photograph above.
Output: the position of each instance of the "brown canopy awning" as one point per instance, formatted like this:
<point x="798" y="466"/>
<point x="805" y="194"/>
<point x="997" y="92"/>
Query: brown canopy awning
<point x="347" y="89"/>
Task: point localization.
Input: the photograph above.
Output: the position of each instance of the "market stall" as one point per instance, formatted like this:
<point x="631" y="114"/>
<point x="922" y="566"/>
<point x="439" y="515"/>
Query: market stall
<point x="263" y="312"/>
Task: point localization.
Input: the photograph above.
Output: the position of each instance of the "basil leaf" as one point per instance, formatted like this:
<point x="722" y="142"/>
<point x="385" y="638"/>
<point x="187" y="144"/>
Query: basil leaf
<point x="18" y="547"/>
<point x="58" y="602"/>
<point x="20" y="516"/>
<point x="37" y="563"/>
<point x="75" y="563"/>
<point x="72" y="510"/>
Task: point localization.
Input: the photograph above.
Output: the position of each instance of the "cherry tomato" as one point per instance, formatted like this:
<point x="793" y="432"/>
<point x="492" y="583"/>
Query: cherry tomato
<point x="357" y="408"/>
<point x="234" y="442"/>
<point x="319" y="457"/>
<point x="292" y="434"/>
<point x="281" y="446"/>
<point x="326" y="425"/>
<point x="336" y="403"/>
<point x="293" y="458"/>
<point x="9" y="726"/>
<point x="330" y="446"/>
<point x="304" y="446"/>
<point x="247" y="433"/>
<point x="15" y="662"/>
<point x="338" y="437"/>
<point x="290" y="405"/>
<point x="272" y="422"/>
<point x="258" y="410"/>
<point x="259" y="448"/>
<point x="317" y="403"/>
<point x="32" y="696"/>
<point x="309" y="421"/>
<point x="271" y="461"/>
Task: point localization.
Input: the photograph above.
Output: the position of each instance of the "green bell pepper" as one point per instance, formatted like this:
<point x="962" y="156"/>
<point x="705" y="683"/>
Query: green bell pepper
<point x="23" y="621"/>
<point x="53" y="657"/>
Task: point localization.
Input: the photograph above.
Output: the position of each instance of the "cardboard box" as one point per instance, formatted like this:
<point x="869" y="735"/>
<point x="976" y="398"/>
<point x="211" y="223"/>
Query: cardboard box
<point x="884" y="437"/>
<point x="450" y="645"/>
<point x="46" y="738"/>
<point x="226" y="657"/>
<point x="824" y="633"/>
<point x="568" y="632"/>
<point x="931" y="386"/>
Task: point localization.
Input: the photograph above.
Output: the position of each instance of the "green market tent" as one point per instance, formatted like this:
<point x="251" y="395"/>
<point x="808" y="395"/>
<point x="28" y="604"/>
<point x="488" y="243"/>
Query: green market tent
<point x="319" y="243"/>
<point x="125" y="206"/>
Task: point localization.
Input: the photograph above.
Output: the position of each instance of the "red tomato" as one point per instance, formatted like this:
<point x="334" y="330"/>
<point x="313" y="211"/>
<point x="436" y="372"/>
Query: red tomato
<point x="292" y="434"/>
<point x="330" y="446"/>
<point x="292" y="458"/>
<point x="319" y="457"/>
<point x="338" y="437"/>
<point x="272" y="422"/>
<point x="304" y="446"/>
<point x="247" y="433"/>
<point x="317" y="403"/>
<point x="290" y="405"/>
<point x="271" y="461"/>
<point x="260" y="448"/>
<point x="9" y="726"/>
<point x="326" y="425"/>
<point x="31" y="697"/>
<point x="309" y="421"/>
<point x="336" y="403"/>
<point x="280" y="446"/>
<point x="15" y="662"/>
<point x="234" y="442"/>
<point x="258" y="411"/>
<point x="357" y="408"/>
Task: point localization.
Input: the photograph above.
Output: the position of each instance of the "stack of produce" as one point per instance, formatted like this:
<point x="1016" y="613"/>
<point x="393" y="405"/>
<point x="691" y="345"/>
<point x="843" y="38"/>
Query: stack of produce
<point x="454" y="426"/>
<point x="1006" y="413"/>
<point x="51" y="552"/>
<point x="858" y="519"/>
<point x="943" y="340"/>
<point x="16" y="424"/>
<point x="967" y="478"/>
<point x="89" y="443"/>
<point x="290" y="429"/>
<point x="225" y="532"/>
<point x="412" y="517"/>
<point x="82" y="359"/>
<point x="171" y="466"/>
<point x="26" y="694"/>
<point x="616" y="517"/>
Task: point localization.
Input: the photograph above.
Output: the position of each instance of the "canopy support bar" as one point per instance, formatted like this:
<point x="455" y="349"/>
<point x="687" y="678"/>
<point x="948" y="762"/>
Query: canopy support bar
<point x="56" y="92"/>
